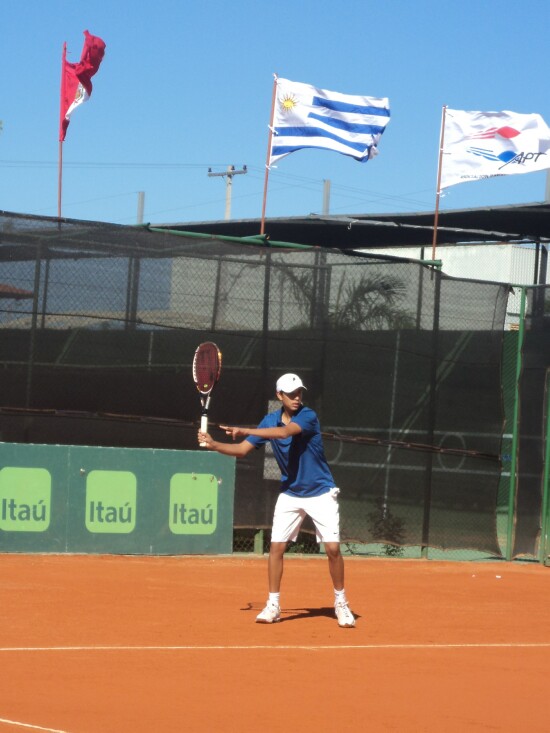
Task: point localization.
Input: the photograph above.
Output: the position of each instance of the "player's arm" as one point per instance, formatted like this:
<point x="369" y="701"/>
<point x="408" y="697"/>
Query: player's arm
<point x="237" y="450"/>
<point x="275" y="433"/>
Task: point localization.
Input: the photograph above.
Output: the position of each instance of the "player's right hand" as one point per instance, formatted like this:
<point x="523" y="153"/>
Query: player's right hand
<point x="205" y="439"/>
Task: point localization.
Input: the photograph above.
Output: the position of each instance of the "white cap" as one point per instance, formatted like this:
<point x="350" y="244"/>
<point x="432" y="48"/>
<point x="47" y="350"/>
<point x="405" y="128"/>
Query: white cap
<point x="288" y="383"/>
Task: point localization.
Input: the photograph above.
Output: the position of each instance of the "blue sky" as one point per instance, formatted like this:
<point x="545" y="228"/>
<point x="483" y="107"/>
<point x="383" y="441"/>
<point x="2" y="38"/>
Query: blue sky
<point x="186" y="85"/>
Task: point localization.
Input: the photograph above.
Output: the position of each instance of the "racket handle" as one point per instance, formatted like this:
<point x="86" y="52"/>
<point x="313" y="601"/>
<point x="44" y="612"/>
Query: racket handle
<point x="204" y="428"/>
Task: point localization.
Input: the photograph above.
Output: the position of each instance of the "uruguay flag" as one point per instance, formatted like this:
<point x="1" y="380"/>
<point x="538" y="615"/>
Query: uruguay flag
<point x="306" y="117"/>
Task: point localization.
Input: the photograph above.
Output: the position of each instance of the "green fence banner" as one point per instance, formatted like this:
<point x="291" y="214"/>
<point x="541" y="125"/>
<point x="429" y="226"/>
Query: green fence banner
<point x="60" y="498"/>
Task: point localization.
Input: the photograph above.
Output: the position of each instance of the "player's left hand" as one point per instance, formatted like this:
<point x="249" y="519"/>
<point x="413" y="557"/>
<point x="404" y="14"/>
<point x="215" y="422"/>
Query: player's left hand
<point x="234" y="432"/>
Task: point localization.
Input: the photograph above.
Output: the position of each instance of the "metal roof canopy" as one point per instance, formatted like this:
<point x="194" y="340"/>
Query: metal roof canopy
<point x="31" y="238"/>
<point x="20" y="234"/>
<point x="523" y="222"/>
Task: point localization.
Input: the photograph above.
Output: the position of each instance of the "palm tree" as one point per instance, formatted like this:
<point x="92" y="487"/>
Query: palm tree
<point x="371" y="302"/>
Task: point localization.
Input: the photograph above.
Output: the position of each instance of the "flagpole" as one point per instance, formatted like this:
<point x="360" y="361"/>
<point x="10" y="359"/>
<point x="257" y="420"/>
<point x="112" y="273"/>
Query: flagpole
<point x="59" y="178"/>
<point x="60" y="155"/>
<point x="436" y="217"/>
<point x="270" y="137"/>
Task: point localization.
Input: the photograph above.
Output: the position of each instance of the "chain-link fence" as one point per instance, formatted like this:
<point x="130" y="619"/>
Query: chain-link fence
<point x="403" y="366"/>
<point x="530" y="451"/>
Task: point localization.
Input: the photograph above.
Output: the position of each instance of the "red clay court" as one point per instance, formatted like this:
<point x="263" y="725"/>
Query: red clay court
<point x="111" y="644"/>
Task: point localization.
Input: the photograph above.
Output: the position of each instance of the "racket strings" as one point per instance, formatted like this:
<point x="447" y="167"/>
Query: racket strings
<point x="206" y="366"/>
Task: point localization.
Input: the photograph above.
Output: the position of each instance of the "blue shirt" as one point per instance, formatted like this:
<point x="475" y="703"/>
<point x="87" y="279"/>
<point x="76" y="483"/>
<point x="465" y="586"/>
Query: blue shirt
<point x="301" y="458"/>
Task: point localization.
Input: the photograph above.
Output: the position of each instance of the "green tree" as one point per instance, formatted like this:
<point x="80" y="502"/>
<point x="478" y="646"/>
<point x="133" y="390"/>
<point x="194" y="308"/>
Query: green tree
<point x="370" y="302"/>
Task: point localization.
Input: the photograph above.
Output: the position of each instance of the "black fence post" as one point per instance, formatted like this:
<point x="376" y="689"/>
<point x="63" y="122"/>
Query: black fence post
<point x="432" y="412"/>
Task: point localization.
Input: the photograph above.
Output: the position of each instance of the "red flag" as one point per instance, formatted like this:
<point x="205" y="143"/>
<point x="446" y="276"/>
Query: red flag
<point x="76" y="79"/>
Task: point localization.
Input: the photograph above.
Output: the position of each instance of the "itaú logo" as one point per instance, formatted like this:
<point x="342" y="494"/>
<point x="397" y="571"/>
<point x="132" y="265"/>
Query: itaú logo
<point x="111" y="502"/>
<point x="193" y="503"/>
<point x="25" y="499"/>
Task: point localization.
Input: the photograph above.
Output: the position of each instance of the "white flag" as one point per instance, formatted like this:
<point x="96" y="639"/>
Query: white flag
<point x="480" y="145"/>
<point x="306" y="117"/>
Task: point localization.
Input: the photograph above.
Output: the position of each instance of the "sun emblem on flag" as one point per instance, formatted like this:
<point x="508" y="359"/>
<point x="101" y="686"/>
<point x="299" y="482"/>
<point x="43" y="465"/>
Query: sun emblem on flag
<point x="288" y="103"/>
<point x="80" y="92"/>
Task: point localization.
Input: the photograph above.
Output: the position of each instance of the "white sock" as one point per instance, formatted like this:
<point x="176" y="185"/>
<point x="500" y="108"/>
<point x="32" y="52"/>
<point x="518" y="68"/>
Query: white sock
<point x="274" y="598"/>
<point x="340" y="596"/>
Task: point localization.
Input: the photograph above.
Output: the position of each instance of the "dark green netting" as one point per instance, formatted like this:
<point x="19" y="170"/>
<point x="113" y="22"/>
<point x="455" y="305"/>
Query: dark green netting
<point x="99" y="324"/>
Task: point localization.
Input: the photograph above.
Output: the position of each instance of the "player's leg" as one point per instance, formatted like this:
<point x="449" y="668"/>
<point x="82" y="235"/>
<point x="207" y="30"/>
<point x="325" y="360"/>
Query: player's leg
<point x="325" y="513"/>
<point x="335" y="564"/>
<point x="287" y="520"/>
<point x="275" y="565"/>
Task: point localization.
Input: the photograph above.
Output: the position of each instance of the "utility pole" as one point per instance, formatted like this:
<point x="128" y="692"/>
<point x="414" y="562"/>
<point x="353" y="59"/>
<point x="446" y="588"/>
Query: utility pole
<point x="326" y="197"/>
<point x="141" y="201"/>
<point x="228" y="175"/>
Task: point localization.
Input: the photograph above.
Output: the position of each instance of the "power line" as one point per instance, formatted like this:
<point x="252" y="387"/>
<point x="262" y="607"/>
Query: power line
<point x="97" y="164"/>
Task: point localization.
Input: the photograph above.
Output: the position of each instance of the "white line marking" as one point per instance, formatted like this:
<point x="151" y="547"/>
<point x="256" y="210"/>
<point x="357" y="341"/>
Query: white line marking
<point x="274" y="647"/>
<point x="33" y="727"/>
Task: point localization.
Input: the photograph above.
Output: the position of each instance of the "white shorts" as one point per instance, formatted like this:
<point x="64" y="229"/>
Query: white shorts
<point x="290" y="512"/>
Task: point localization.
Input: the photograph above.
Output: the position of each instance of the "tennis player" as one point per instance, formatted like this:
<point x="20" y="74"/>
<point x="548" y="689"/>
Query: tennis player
<point x="307" y="488"/>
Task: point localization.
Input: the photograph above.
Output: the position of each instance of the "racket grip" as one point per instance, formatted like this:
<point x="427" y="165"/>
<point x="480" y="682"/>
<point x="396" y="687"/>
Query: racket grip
<point x="204" y="428"/>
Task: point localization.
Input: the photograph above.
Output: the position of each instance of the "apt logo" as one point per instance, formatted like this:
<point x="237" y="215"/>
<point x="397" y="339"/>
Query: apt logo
<point x="25" y="499"/>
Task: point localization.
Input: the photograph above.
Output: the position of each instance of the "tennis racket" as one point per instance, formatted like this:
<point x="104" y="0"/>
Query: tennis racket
<point x="207" y="367"/>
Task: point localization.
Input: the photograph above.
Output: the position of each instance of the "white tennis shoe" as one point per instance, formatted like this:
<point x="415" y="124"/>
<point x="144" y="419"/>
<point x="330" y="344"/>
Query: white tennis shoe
<point x="270" y="615"/>
<point x="344" y="615"/>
